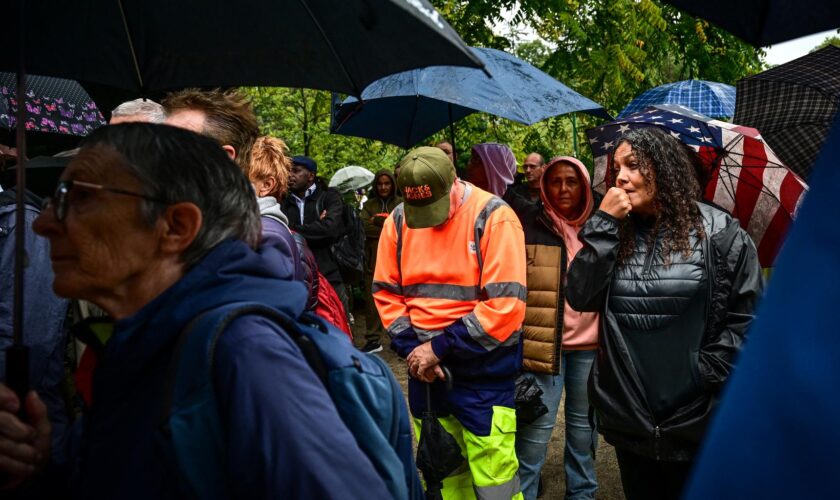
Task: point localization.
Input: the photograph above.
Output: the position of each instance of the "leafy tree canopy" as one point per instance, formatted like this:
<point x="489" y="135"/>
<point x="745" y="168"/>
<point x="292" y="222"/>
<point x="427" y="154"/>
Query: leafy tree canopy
<point x="607" y="50"/>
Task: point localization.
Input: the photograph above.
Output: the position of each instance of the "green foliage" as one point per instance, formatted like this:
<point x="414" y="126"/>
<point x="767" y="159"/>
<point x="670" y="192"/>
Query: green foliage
<point x="608" y="50"/>
<point x="301" y="117"/>
<point x="832" y="40"/>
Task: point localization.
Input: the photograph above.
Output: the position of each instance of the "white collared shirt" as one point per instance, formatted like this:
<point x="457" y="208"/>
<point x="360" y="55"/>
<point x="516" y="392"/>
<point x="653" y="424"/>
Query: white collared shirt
<point x="300" y="202"/>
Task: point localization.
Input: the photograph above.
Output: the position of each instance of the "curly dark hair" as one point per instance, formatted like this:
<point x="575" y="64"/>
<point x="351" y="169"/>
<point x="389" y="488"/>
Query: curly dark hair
<point x="667" y="166"/>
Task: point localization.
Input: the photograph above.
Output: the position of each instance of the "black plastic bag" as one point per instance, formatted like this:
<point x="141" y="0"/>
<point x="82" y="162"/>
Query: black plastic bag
<point x="529" y="404"/>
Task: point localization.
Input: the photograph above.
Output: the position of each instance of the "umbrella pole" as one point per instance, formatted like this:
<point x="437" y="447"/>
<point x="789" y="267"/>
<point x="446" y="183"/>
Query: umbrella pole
<point x="574" y="135"/>
<point x="17" y="355"/>
<point x="452" y="137"/>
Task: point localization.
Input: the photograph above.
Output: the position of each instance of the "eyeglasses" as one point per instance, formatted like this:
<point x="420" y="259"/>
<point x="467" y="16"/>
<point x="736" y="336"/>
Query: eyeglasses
<point x="61" y="198"/>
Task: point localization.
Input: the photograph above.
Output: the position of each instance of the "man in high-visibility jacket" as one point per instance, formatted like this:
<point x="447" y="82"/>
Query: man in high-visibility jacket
<point x="450" y="288"/>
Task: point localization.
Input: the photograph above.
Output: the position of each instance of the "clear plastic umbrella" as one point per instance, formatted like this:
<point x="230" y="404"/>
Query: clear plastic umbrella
<point x="351" y="178"/>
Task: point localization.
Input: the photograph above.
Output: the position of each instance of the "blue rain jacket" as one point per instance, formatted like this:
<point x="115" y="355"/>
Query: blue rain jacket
<point x="283" y="434"/>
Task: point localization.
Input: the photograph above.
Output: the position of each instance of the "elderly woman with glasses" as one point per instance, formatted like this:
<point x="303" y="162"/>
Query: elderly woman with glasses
<point x="156" y="225"/>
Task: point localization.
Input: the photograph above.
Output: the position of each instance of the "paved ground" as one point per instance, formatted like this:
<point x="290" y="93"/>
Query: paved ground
<point x="553" y="476"/>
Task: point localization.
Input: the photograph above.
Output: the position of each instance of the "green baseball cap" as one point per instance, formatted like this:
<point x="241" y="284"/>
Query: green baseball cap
<point x="426" y="176"/>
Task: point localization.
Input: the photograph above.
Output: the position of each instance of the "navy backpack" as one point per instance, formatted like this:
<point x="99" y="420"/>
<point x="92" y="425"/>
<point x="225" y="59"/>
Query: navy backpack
<point x="368" y="398"/>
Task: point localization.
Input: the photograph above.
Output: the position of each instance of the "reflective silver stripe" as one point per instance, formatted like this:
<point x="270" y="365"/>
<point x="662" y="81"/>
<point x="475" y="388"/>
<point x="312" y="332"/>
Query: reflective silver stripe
<point x="506" y="289"/>
<point x="398" y="215"/>
<point x="441" y="291"/>
<point x="503" y="491"/>
<point x="455" y="292"/>
<point x="480" y="223"/>
<point x="478" y="334"/>
<point x="389" y="287"/>
<point x="399" y="325"/>
<point x="427" y="335"/>
<point x="513" y="339"/>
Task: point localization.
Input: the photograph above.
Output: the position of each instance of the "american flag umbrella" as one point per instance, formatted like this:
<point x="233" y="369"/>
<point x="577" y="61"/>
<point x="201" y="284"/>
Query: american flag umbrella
<point x="742" y="174"/>
<point x="709" y="98"/>
<point x="793" y="105"/>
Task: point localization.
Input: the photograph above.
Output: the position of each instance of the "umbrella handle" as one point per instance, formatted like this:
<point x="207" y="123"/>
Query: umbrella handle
<point x="447" y="380"/>
<point x="447" y="377"/>
<point x="17" y="372"/>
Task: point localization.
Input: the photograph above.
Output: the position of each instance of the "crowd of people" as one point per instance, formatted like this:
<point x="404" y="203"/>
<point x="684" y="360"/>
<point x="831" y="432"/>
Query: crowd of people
<point x="634" y="302"/>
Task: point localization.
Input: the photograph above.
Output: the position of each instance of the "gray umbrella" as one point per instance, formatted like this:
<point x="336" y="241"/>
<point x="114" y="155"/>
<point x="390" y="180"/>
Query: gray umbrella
<point x="793" y="106"/>
<point x="351" y="178"/>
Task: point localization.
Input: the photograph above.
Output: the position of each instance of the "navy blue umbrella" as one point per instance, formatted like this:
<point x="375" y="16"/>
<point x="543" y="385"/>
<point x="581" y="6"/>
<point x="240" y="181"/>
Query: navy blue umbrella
<point x="406" y="108"/>
<point x="713" y="99"/>
<point x="766" y="22"/>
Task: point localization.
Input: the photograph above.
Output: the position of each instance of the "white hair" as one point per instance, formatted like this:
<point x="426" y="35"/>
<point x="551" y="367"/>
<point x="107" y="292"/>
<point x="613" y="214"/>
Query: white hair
<point x="145" y="107"/>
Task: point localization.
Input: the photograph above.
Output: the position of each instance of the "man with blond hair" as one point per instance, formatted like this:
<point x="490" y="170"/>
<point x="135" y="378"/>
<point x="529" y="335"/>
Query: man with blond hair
<point x="225" y="116"/>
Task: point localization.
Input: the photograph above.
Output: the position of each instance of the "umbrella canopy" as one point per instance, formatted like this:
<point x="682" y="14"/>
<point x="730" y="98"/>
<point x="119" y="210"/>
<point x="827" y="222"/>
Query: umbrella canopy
<point x="708" y="98"/>
<point x="766" y="22"/>
<point x="405" y="108"/>
<point x="54" y="105"/>
<point x="351" y="178"/>
<point x="793" y="105"/>
<point x="148" y="45"/>
<point x="742" y="174"/>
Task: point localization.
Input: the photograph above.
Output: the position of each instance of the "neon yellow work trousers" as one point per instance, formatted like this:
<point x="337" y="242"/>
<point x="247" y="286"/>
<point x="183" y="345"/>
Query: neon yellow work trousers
<point x="490" y="469"/>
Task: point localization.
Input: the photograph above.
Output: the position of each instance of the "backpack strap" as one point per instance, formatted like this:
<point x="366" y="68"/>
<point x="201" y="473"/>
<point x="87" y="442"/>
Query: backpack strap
<point x="202" y="333"/>
<point x="190" y="422"/>
<point x="491" y="206"/>
<point x="399" y="214"/>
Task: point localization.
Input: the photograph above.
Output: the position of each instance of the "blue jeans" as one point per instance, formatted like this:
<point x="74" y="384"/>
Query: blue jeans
<point x="581" y="439"/>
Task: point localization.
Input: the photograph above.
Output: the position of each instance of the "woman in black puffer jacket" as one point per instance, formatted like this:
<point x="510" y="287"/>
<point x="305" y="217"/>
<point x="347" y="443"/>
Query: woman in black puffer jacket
<point x="676" y="282"/>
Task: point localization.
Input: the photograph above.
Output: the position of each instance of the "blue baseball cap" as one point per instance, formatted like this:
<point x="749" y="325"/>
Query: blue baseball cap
<point x="305" y="162"/>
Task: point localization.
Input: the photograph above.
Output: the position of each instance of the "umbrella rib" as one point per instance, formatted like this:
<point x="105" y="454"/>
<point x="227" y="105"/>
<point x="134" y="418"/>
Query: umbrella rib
<point x="357" y="91"/>
<point x="408" y="140"/>
<point x="131" y="46"/>
<point x="730" y="185"/>
<point x="514" y="101"/>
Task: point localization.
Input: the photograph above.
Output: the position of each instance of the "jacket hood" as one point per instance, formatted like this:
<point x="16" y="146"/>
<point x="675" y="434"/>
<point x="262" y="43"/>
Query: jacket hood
<point x="499" y="165"/>
<point x="231" y="272"/>
<point x="373" y="194"/>
<point x="269" y="207"/>
<point x="587" y="199"/>
<point x="579" y="328"/>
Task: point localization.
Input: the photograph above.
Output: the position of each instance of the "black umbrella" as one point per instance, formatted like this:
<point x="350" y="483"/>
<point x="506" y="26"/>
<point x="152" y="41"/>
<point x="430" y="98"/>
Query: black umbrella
<point x="793" y="105"/>
<point x="149" y="45"/>
<point x="438" y="453"/>
<point x="766" y="22"/>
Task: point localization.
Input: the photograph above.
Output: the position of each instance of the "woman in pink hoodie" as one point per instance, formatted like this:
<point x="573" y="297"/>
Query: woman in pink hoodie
<point x="559" y="342"/>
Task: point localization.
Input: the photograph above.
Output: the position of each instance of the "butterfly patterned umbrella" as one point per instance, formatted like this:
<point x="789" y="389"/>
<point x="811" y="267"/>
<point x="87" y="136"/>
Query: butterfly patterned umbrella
<point x="53" y="105"/>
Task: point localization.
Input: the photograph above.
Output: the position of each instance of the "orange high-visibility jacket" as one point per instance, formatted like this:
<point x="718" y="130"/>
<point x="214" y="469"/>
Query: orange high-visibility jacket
<point x="429" y="278"/>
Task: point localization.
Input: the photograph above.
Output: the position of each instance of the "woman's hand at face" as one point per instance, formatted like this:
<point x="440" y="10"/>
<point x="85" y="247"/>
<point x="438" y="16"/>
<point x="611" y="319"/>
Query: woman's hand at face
<point x="616" y="203"/>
